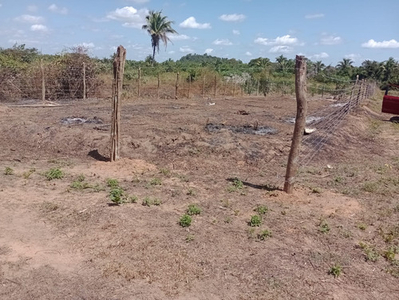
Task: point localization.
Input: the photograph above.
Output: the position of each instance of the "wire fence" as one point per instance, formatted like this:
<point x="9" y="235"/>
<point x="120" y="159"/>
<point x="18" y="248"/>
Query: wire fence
<point x="81" y="80"/>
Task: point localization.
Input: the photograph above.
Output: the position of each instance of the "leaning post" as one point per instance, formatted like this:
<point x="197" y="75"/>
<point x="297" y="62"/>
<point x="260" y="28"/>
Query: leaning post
<point x="43" y="81"/>
<point x="300" y="121"/>
<point x="119" y="66"/>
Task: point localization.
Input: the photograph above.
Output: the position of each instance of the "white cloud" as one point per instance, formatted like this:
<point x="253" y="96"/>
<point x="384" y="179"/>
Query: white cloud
<point x="59" y="10"/>
<point x="39" y="27"/>
<point x="354" y="57"/>
<point x="86" y="45"/>
<point x="314" y="16"/>
<point x="320" y="56"/>
<point x="391" y="44"/>
<point x="208" y="51"/>
<point x="192" y="23"/>
<point x="29" y="19"/>
<point x="281" y="40"/>
<point x="280" y="49"/>
<point x="130" y="16"/>
<point x="233" y="18"/>
<point x="248" y="53"/>
<point x="179" y="37"/>
<point x="222" y="42"/>
<point x="330" y="40"/>
<point x="186" y="49"/>
<point x="236" y="32"/>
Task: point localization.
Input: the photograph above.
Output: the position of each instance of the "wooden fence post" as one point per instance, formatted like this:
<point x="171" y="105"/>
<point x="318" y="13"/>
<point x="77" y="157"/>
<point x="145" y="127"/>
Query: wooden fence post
<point x="43" y="81"/>
<point x="84" y="81"/>
<point x="300" y="122"/>
<point x="139" y="83"/>
<point x="177" y="85"/>
<point x="257" y="88"/>
<point x="119" y="66"/>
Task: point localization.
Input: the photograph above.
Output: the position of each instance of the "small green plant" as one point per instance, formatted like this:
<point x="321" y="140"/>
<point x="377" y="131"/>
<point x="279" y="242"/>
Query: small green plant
<point x="390" y="253"/>
<point x="155" y="181"/>
<point x="190" y="238"/>
<point x="255" y="221"/>
<point x="264" y="234"/>
<point x="8" y="171"/>
<point x="132" y="199"/>
<point x="261" y="209"/>
<point x="191" y="192"/>
<point x="370" y="187"/>
<point x="362" y="226"/>
<point x="147" y="201"/>
<point x="235" y="186"/>
<point x="324" y="227"/>
<point x="79" y="184"/>
<point x="227" y="220"/>
<point x="371" y="254"/>
<point x="117" y="195"/>
<point x="165" y="172"/>
<point x="185" y="220"/>
<point x="112" y="183"/>
<point x="335" y="270"/>
<point x="156" y="202"/>
<point x="54" y="173"/>
<point x="316" y="190"/>
<point x="193" y="209"/>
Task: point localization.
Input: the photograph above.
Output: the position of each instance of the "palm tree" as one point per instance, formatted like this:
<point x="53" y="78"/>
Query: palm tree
<point x="345" y="66"/>
<point x="158" y="27"/>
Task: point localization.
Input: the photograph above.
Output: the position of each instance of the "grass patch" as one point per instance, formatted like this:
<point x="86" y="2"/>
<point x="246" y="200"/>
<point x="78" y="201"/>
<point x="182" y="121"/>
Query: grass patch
<point x="255" y="221"/>
<point x="54" y="173"/>
<point x="264" y="234"/>
<point x="335" y="270"/>
<point x="193" y="209"/>
<point x="8" y="171"/>
<point x="185" y="221"/>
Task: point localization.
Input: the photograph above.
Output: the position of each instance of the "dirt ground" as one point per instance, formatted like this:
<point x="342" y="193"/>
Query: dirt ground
<point x="65" y="239"/>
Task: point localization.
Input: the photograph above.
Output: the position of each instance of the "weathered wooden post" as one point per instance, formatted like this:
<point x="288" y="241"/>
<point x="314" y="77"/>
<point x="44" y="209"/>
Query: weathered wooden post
<point x="43" y="81"/>
<point x="189" y="86"/>
<point x="300" y="122"/>
<point x="119" y="66"/>
<point x="177" y="85"/>
<point x="84" y="81"/>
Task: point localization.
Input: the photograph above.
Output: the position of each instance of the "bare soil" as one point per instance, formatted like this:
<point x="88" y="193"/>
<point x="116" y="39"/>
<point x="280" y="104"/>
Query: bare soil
<point x="65" y="239"/>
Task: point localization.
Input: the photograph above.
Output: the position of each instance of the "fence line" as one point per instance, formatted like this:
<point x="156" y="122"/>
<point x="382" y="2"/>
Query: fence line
<point x="53" y="81"/>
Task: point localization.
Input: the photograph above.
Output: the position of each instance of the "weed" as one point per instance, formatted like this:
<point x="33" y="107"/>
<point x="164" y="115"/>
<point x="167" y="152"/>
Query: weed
<point x="193" y="209"/>
<point x="251" y="233"/>
<point x="79" y="183"/>
<point x="324" y="227"/>
<point x="335" y="270"/>
<point x="156" y="202"/>
<point x="54" y="173"/>
<point x="370" y="252"/>
<point x="189" y="238"/>
<point x="264" y="234"/>
<point x="316" y="190"/>
<point x="225" y="203"/>
<point x="155" y="181"/>
<point x="183" y="178"/>
<point x="235" y="186"/>
<point x="261" y="209"/>
<point x="49" y="206"/>
<point x="370" y="187"/>
<point x="116" y="195"/>
<point x="191" y="192"/>
<point x="165" y="172"/>
<point x="362" y="226"/>
<point x="390" y="253"/>
<point x="227" y="220"/>
<point x="27" y="174"/>
<point x="236" y="212"/>
<point x="8" y="171"/>
<point x="132" y="199"/>
<point x="255" y="221"/>
<point x="185" y="220"/>
<point x="98" y="188"/>
<point x="112" y="183"/>
<point x="147" y="201"/>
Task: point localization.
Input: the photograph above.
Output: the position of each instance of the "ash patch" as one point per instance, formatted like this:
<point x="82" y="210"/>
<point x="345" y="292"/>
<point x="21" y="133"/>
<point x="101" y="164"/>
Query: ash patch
<point x="80" y="120"/>
<point x="246" y="129"/>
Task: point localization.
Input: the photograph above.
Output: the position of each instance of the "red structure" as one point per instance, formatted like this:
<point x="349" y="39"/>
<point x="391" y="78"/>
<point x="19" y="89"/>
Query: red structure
<point x="390" y="104"/>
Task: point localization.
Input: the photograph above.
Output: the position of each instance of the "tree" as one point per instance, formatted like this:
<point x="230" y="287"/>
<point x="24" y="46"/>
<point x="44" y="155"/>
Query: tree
<point x="345" y="67"/>
<point x="158" y="27"/>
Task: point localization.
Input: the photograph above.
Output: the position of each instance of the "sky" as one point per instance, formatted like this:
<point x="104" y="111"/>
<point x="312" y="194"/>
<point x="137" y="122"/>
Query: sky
<point x="321" y="30"/>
